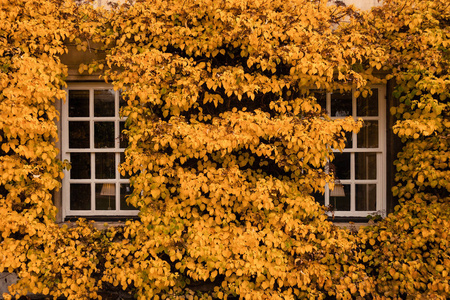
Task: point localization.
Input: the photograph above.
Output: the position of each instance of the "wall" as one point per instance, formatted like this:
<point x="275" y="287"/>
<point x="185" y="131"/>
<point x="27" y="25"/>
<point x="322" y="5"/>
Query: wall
<point x="363" y="4"/>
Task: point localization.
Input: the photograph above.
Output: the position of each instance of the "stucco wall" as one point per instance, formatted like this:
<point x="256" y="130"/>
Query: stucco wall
<point x="363" y="4"/>
<point x="6" y="279"/>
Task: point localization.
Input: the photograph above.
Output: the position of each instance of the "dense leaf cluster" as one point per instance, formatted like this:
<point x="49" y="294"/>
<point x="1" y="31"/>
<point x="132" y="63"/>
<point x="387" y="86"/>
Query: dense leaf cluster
<point x="226" y="146"/>
<point x="407" y="253"/>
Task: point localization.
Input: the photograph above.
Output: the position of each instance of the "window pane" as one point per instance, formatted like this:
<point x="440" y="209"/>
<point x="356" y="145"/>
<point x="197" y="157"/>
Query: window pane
<point x="348" y="139"/>
<point x="105" y="167"/>
<point x="341" y="203"/>
<point x="80" y="196"/>
<point x="79" y="134"/>
<point x="104" y="134"/>
<point x="368" y="135"/>
<point x="104" y="104"/>
<point x="105" y="196"/>
<point x="366" y="197"/>
<point x="368" y="106"/>
<point x="341" y="104"/>
<point x="321" y="99"/>
<point x="125" y="190"/>
<point x="81" y="165"/>
<point x="78" y="103"/>
<point x="319" y="197"/>
<point x="122" y="136"/>
<point x="366" y="165"/>
<point x="341" y="164"/>
<point x="122" y="100"/>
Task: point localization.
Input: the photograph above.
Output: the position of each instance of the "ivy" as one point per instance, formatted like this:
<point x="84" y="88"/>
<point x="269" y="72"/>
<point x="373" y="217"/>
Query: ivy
<point x="226" y="146"/>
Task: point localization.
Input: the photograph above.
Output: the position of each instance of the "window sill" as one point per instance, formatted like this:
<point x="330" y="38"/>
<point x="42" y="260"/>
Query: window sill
<point x="101" y="218"/>
<point x="100" y="222"/>
<point x="348" y="219"/>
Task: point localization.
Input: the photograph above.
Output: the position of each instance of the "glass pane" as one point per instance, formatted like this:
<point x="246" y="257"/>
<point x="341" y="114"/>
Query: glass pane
<point x="341" y="203"/>
<point x="368" y="135"/>
<point x="105" y="196"/>
<point x="341" y="165"/>
<point x="81" y="165"/>
<point x="80" y="196"/>
<point x="366" y="165"/>
<point x="348" y="139"/>
<point x="319" y="197"/>
<point x="122" y="101"/>
<point x="321" y="99"/>
<point x="104" y="134"/>
<point x="78" y="103"/>
<point x="122" y="136"/>
<point x="79" y="134"/>
<point x="366" y="197"/>
<point x="104" y="104"/>
<point x="341" y="104"/>
<point x="105" y="167"/>
<point x="368" y="106"/>
<point x="122" y="159"/>
<point x="125" y="190"/>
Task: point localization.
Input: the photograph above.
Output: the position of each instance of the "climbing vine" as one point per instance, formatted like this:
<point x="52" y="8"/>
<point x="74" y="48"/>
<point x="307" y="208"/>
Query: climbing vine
<point x="227" y="143"/>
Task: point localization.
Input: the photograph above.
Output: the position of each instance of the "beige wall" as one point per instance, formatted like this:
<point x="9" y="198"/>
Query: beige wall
<point x="363" y="4"/>
<point x="105" y="2"/>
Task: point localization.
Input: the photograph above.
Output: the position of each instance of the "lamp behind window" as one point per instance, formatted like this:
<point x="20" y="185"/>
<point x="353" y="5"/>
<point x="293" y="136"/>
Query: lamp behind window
<point x="108" y="189"/>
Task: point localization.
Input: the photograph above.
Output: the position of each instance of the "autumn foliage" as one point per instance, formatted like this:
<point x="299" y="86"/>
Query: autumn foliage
<point x="226" y="146"/>
<point x="407" y="254"/>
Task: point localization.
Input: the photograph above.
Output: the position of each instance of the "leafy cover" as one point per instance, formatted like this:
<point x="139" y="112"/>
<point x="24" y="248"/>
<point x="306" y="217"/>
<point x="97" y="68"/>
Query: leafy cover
<point x="226" y="145"/>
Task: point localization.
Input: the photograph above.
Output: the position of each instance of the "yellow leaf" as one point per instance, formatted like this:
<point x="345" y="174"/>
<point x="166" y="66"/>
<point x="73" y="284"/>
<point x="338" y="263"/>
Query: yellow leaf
<point x="155" y="193"/>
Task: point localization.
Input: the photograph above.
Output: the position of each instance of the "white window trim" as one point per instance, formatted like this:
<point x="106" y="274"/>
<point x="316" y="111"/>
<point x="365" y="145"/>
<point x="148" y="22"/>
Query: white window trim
<point x="381" y="161"/>
<point x="65" y="154"/>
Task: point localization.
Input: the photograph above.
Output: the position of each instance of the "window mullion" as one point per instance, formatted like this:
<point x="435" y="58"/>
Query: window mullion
<point x="117" y="177"/>
<point x="91" y="119"/>
<point x="91" y="146"/>
<point x="352" y="185"/>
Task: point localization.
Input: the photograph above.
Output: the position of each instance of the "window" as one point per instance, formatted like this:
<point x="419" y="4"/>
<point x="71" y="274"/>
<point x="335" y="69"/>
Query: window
<point x="360" y="169"/>
<point x="93" y="143"/>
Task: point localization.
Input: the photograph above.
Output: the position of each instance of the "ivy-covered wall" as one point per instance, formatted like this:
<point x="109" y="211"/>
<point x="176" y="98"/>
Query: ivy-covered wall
<point x="226" y="147"/>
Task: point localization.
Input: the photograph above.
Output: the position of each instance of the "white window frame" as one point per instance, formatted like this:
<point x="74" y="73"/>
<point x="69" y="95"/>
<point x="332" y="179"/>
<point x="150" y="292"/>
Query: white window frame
<point x="66" y="151"/>
<point x="380" y="180"/>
